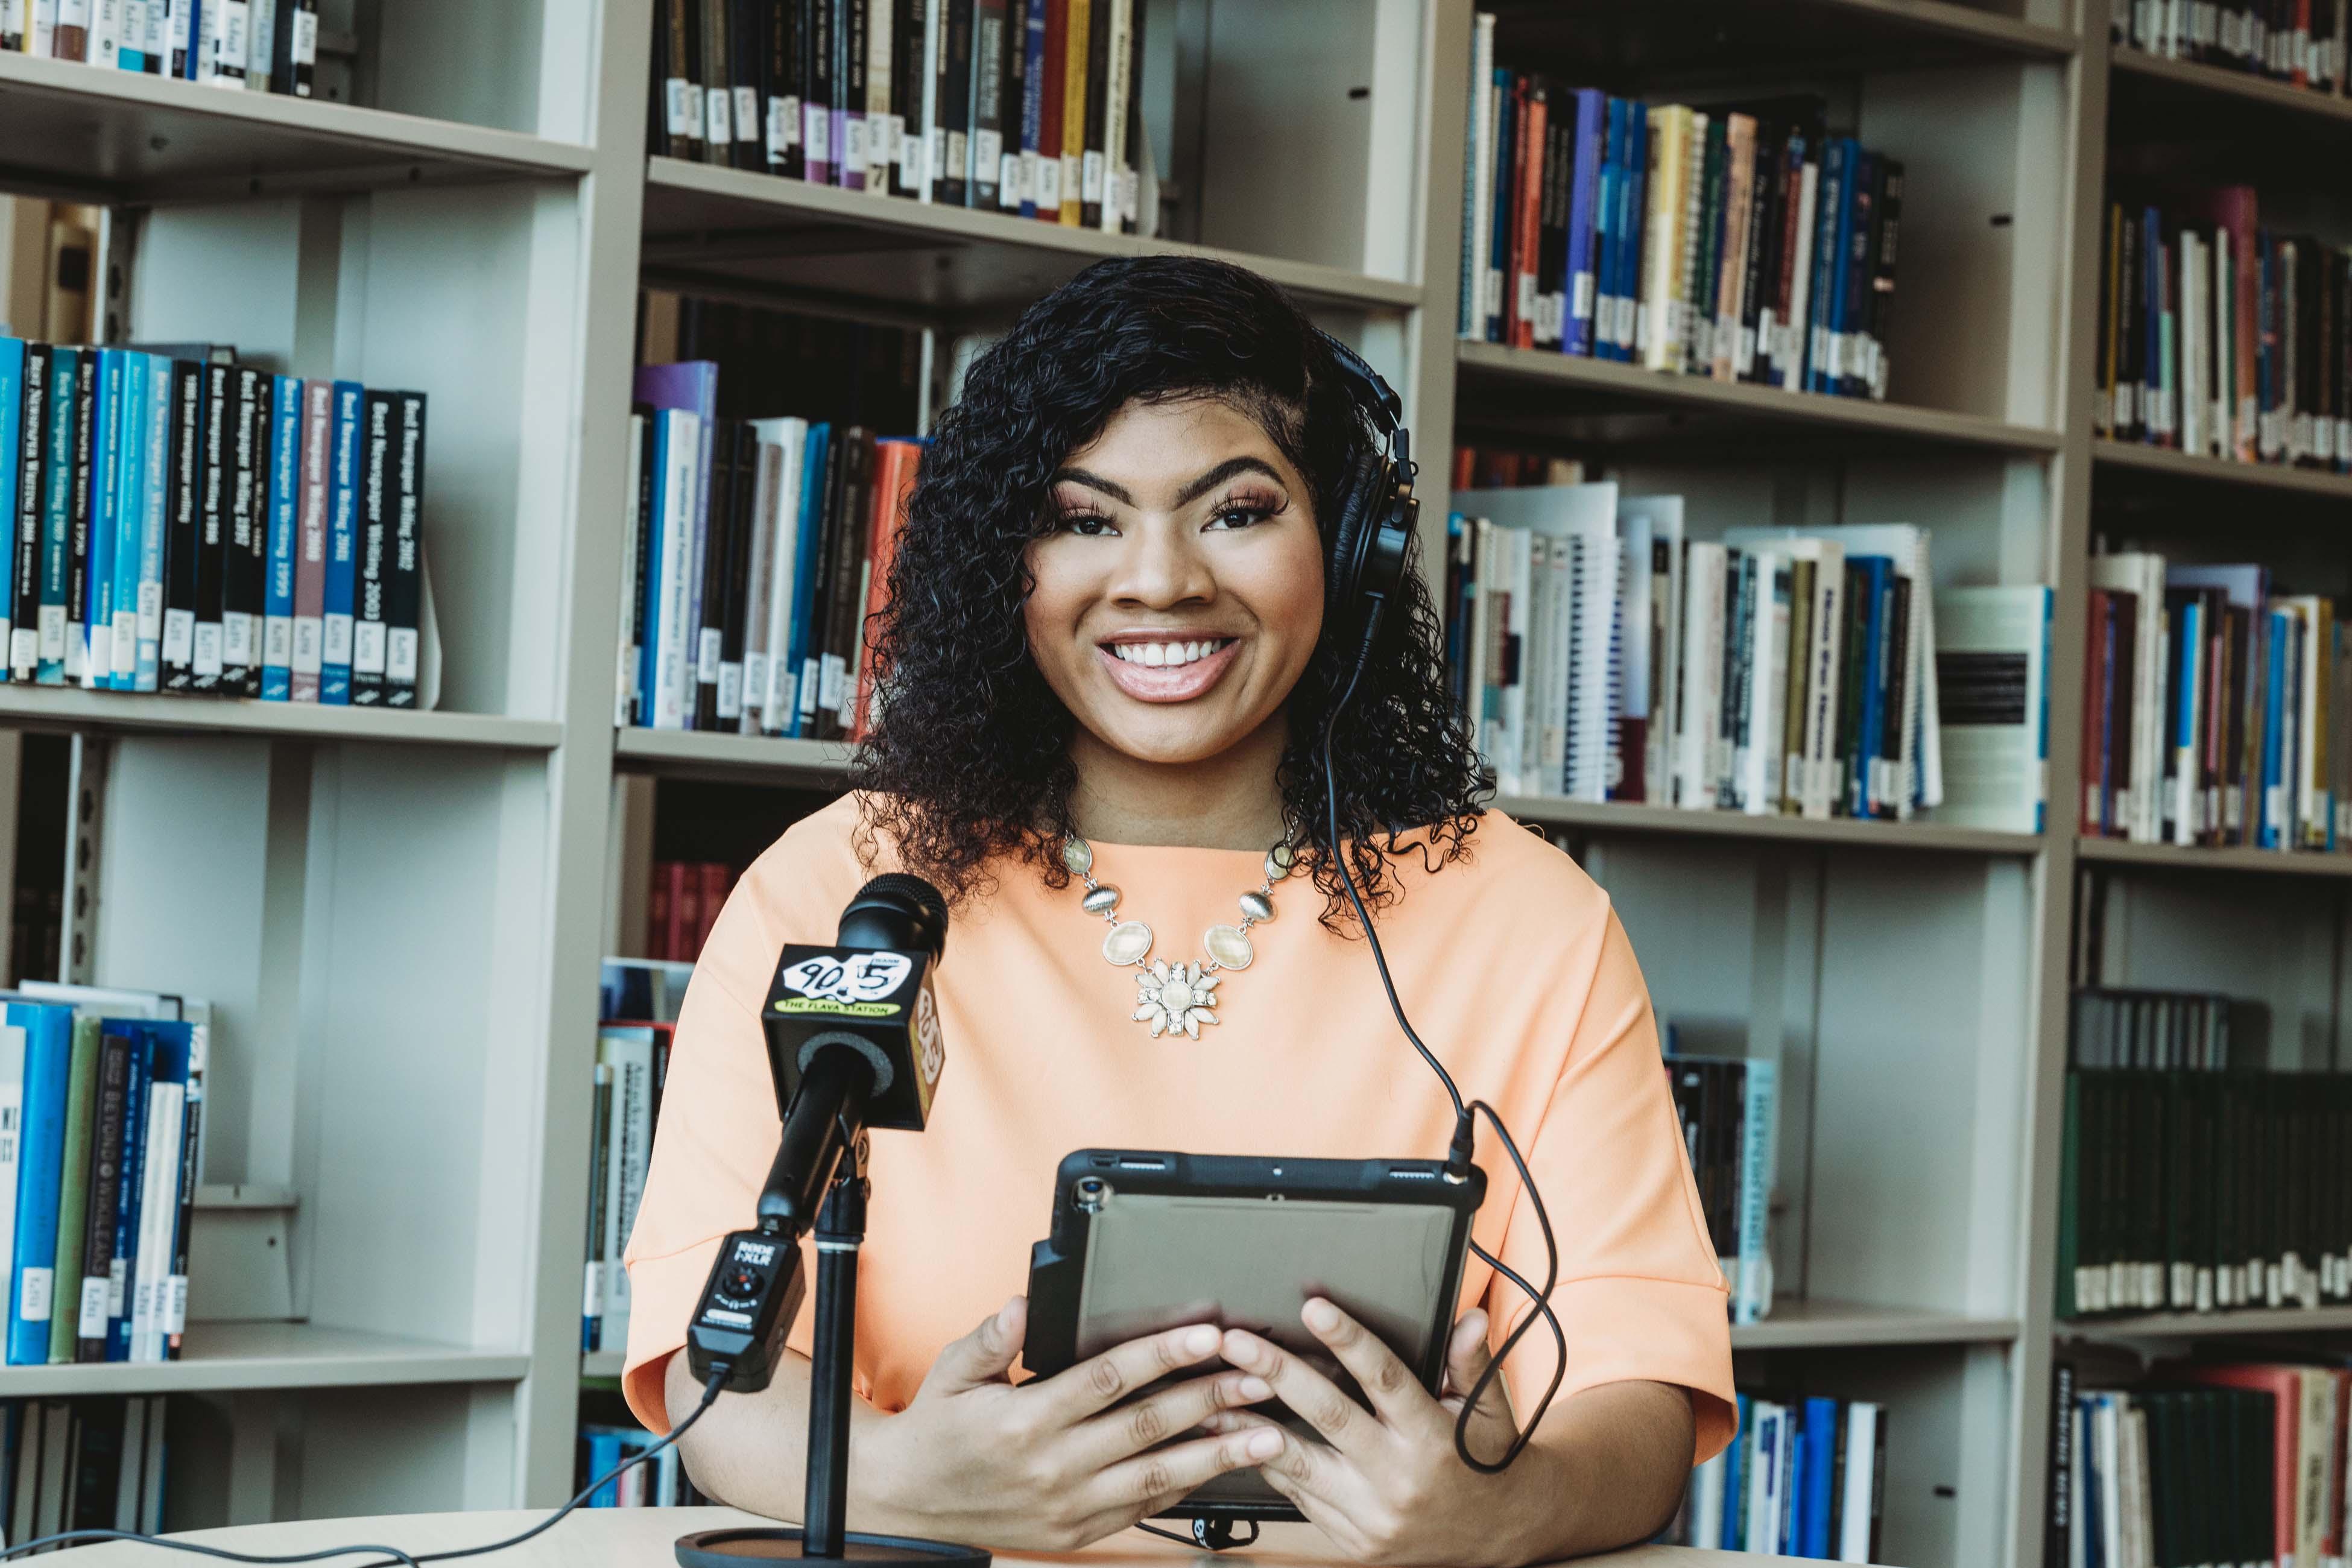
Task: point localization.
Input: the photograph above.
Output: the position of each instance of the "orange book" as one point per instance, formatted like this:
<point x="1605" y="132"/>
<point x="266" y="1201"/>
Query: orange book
<point x="1526" y="235"/>
<point x="895" y="465"/>
<point x="2284" y="1385"/>
<point x="1073" y="106"/>
<point x="685" y="922"/>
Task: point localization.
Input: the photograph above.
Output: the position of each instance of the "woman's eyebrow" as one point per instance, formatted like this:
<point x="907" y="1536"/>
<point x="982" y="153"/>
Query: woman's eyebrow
<point x="1096" y="482"/>
<point x="1193" y="492"/>
<point x="1221" y="473"/>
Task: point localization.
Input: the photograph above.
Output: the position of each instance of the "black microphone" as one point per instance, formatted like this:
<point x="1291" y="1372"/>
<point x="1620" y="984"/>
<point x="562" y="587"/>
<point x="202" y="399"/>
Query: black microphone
<point x="852" y="1042"/>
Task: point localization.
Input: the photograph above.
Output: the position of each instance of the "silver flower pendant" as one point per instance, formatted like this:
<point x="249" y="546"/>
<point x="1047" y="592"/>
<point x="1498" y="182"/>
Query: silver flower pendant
<point x="1178" y="996"/>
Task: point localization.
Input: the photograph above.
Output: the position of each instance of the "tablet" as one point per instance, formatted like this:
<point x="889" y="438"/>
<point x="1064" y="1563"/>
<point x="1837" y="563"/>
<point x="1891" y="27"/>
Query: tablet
<point x="1146" y="1239"/>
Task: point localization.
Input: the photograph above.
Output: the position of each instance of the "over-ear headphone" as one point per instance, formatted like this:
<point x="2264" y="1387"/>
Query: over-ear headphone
<point x="1377" y="510"/>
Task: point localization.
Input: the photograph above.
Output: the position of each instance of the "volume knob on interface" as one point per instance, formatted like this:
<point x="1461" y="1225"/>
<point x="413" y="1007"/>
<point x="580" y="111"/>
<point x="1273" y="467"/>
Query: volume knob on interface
<point x="744" y="1282"/>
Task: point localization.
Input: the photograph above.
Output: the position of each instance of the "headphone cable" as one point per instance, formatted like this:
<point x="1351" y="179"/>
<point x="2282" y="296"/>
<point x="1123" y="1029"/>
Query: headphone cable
<point x="1458" y="1156"/>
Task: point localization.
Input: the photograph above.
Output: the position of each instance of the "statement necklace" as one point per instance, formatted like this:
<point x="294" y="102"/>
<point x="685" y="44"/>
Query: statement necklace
<point x="1175" y="996"/>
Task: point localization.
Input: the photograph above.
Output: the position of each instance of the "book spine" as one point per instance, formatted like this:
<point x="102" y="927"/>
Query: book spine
<point x="176" y="647"/>
<point x="48" y="1060"/>
<point x="339" y="590"/>
<point x="884" y="123"/>
<point x="89" y="415"/>
<point x="122" y="1265"/>
<point x="154" y="523"/>
<point x="70" y="33"/>
<point x="1076" y="54"/>
<point x="59" y="473"/>
<point x="24" y="636"/>
<point x="172" y="1307"/>
<point x="718" y="70"/>
<point x="680" y="448"/>
<point x="779" y="118"/>
<point x="850" y="152"/>
<point x="910" y="84"/>
<point x="985" y="92"/>
<point x="130" y="474"/>
<point x="103" y="495"/>
<point x="1101" y="39"/>
<point x="73" y="1190"/>
<point x="404" y="584"/>
<point x="376" y="502"/>
<point x="951" y="130"/>
<point x="283" y="508"/>
<point x="1032" y="44"/>
<point x="316" y="404"/>
<point x="817" y="91"/>
<point x="105" y="1188"/>
<point x="217" y="462"/>
<point x="245" y="559"/>
<point x="747" y="65"/>
<point x="12" y="361"/>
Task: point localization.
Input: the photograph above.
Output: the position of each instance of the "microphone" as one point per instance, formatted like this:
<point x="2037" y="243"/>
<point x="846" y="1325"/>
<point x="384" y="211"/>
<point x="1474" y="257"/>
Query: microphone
<point x="854" y="1042"/>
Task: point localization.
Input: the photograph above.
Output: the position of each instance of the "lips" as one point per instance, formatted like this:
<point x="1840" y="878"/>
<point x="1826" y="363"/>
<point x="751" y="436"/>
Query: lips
<point x="1167" y="683"/>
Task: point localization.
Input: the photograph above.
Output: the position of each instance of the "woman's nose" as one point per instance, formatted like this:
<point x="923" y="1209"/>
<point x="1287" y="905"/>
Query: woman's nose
<point x="1162" y="566"/>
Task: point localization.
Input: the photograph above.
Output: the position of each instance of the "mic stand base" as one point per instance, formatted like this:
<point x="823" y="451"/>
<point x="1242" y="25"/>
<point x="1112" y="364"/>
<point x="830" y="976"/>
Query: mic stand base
<point x="729" y="1547"/>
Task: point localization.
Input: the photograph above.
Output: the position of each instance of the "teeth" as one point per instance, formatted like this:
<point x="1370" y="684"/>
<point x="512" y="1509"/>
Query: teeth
<point x="1158" y="655"/>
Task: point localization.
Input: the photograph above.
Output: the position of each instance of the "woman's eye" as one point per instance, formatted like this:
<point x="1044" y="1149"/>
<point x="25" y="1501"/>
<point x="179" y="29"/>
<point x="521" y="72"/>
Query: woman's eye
<point x="1090" y="524"/>
<point x="1233" y="517"/>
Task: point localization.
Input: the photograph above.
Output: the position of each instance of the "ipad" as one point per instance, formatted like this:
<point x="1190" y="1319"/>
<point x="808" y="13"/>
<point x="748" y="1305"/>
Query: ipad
<point x="1146" y="1239"/>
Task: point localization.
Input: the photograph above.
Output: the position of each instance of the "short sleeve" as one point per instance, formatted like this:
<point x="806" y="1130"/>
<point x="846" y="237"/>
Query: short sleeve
<point x="718" y="1132"/>
<point x="1640" y="1295"/>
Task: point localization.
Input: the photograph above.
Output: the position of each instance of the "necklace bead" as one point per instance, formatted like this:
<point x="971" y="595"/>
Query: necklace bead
<point x="1257" y="907"/>
<point x="1229" y="946"/>
<point x="1078" y="855"/>
<point x="1100" y="900"/>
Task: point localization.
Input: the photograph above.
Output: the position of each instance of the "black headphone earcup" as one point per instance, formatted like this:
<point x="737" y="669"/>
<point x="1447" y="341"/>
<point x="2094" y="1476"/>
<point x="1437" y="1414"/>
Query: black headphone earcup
<point x="1343" y="576"/>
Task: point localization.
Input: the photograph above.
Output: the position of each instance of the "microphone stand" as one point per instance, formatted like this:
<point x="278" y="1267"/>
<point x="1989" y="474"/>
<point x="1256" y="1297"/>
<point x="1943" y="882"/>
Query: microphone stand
<point x="823" y="1536"/>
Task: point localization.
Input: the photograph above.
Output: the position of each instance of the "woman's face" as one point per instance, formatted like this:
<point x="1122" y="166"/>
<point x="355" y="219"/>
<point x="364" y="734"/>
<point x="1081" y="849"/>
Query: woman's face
<point x="1180" y="589"/>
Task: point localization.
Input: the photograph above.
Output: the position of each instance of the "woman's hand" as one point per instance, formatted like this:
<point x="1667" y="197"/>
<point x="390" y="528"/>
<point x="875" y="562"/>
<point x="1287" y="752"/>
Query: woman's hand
<point x="1051" y="1464"/>
<point x="1388" y="1488"/>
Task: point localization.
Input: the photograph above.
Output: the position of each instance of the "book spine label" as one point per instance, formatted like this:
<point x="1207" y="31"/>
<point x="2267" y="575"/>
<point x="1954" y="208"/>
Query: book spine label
<point x="317" y="442"/>
<point x="57" y="518"/>
<point x="368" y="623"/>
<point x="248" y="463"/>
<point x="215" y="466"/>
<point x="148" y="595"/>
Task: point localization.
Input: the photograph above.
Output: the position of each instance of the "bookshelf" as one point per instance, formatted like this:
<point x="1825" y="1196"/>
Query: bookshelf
<point x="402" y="913"/>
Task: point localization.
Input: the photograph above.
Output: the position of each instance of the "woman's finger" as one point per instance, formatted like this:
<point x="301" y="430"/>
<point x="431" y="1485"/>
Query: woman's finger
<point x="1167" y="1413"/>
<point x="983" y="1356"/>
<point x="1397" y="1396"/>
<point x="1315" y="1397"/>
<point x="1095" y="1385"/>
<point x="1178" y="1469"/>
<point x="1492" y="1428"/>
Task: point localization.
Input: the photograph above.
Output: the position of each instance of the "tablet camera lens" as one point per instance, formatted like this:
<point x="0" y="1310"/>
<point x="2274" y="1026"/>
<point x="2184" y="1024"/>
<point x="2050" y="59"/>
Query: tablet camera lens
<point x="1093" y="1192"/>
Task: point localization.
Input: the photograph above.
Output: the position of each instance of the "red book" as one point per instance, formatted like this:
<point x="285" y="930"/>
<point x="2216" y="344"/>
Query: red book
<point x="658" y="913"/>
<point x="716" y="879"/>
<point x="895" y="464"/>
<point x="685" y="922"/>
<point x="1526" y="219"/>
<point x="1466" y="466"/>
<point x="1049" y="112"/>
<point x="2094" y="713"/>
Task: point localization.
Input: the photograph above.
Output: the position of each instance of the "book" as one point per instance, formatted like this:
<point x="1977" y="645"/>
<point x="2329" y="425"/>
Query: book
<point x="1993" y="660"/>
<point x="338" y="594"/>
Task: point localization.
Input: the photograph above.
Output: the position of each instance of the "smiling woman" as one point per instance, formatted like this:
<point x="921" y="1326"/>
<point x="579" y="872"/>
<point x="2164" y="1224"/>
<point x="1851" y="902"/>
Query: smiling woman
<point x="1112" y="658"/>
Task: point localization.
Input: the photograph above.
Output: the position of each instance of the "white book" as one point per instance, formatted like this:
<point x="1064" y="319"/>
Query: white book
<point x="1762" y="1503"/>
<point x="1689" y="314"/>
<point x="1589" y="512"/>
<point x="673" y="662"/>
<point x="12" y="1140"/>
<point x="1996" y="721"/>
<point x="1121" y="61"/>
<point x="1515" y="588"/>
<point x="1760" y="763"/>
<point x="764" y="489"/>
<point x="2103" y="1439"/>
<point x="2134" y="1538"/>
<point x="1633" y="652"/>
<point x="1794" y="333"/>
<point x="2222" y="303"/>
<point x="2192" y="371"/>
<point x="1702" y="686"/>
<point x="1811" y="775"/>
<point x="2078" y="1489"/>
<point x="1659" y="334"/>
<point x="105" y="48"/>
<point x="1661" y="517"/>
<point x="1482" y="556"/>
<point x="1706" y="1514"/>
<point x="1480" y="215"/>
<point x="264" y="45"/>
<point x="2140" y="575"/>
<point x="1548" y="667"/>
<point x="931" y="146"/>
<point x="1862" y="1445"/>
<point x="790" y="437"/>
<point x="629" y="1155"/>
<point x="159" y="1207"/>
<point x="134" y="1450"/>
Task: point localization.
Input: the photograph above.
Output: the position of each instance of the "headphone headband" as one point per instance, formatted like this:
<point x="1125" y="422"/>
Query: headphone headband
<point x="1370" y="393"/>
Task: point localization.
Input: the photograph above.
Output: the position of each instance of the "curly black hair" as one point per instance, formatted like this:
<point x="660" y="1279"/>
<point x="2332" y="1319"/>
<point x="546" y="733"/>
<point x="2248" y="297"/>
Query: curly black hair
<point x="969" y="761"/>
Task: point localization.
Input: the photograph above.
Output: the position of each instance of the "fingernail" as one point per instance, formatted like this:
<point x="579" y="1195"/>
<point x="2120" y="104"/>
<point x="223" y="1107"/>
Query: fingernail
<point x="1201" y="1341"/>
<point x="1240" y="1346"/>
<point x="1322" y="1316"/>
<point x="1265" y="1444"/>
<point x="1257" y="1388"/>
<point x="1005" y="1314"/>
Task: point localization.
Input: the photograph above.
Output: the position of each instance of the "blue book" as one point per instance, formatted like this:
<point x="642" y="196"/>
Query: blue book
<point x="1605" y="229"/>
<point x="1632" y="201"/>
<point x="1831" y="227"/>
<point x="341" y="579"/>
<point x="149" y="598"/>
<point x="285" y="496"/>
<point x="1500" y="213"/>
<point x="1876" y="573"/>
<point x="1820" y="1435"/>
<point x="49" y="1059"/>
<point x="97" y="608"/>
<point x="1735" y="1480"/>
<point x="119" y="1274"/>
<point x="650" y="545"/>
<point x="2086" y="1455"/>
<point x="171" y="1049"/>
<point x="691" y="386"/>
<point x="604" y="1453"/>
<point x="1033" y="99"/>
<point x="57" y="515"/>
<point x="130" y="54"/>
<point x="804" y="657"/>
<point x="190" y="14"/>
<point x="1759" y="1158"/>
<point x="1583" y="201"/>
<point x="12" y="467"/>
<point x="129" y="509"/>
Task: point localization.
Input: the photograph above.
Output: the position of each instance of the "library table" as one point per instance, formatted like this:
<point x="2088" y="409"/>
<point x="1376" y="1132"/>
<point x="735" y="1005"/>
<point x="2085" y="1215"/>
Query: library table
<point x="640" y="1537"/>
